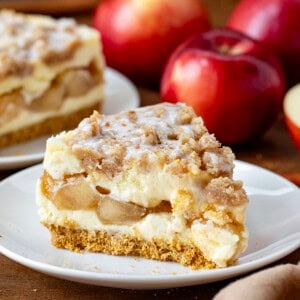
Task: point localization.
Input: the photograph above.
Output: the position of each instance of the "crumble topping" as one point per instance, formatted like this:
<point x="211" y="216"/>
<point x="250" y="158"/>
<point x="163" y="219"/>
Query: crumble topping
<point x="224" y="191"/>
<point x="172" y="133"/>
<point x="25" y="39"/>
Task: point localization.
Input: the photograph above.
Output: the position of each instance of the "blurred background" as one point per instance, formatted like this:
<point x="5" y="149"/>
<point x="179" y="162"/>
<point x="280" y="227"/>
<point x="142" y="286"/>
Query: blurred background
<point x="219" y="9"/>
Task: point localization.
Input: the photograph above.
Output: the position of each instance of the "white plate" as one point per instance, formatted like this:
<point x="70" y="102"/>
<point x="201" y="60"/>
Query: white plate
<point x="273" y="221"/>
<point x="120" y="94"/>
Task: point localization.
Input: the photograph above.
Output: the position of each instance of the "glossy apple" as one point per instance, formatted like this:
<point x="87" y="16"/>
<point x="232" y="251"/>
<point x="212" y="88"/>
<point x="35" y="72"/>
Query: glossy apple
<point x="291" y="108"/>
<point x="139" y="35"/>
<point x="235" y="83"/>
<point x="276" y="23"/>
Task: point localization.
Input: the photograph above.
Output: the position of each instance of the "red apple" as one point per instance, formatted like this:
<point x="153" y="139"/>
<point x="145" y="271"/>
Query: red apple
<point x="235" y="83"/>
<point x="139" y="35"/>
<point x="291" y="108"/>
<point x="276" y="23"/>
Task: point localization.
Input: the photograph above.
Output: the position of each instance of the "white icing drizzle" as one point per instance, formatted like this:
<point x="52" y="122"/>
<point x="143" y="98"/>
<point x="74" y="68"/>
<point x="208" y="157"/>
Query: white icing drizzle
<point x="28" y="38"/>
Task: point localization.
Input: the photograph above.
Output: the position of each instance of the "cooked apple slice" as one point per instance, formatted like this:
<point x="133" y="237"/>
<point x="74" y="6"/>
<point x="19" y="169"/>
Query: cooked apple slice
<point x="77" y="82"/>
<point x="291" y="108"/>
<point x="51" y="100"/>
<point x="115" y="212"/>
<point x="10" y="106"/>
<point x="75" y="195"/>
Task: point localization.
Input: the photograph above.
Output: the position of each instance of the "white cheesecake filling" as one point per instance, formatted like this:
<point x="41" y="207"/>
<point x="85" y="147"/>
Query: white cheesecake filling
<point x="217" y="243"/>
<point x="143" y="189"/>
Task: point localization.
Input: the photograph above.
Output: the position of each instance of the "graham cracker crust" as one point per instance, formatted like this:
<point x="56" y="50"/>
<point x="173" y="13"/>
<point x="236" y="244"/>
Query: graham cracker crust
<point x="100" y="241"/>
<point x="48" y="126"/>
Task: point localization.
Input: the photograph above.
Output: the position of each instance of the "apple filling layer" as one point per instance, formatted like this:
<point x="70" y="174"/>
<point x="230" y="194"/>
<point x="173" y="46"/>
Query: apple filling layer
<point x="71" y="84"/>
<point x="75" y="193"/>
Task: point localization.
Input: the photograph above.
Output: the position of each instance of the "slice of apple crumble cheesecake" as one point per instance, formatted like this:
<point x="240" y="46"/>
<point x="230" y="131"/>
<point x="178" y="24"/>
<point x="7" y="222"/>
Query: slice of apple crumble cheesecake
<point x="149" y="182"/>
<point x="51" y="75"/>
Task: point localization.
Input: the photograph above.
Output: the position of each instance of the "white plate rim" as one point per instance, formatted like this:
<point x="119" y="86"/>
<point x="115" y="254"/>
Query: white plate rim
<point x="160" y="280"/>
<point x="26" y="159"/>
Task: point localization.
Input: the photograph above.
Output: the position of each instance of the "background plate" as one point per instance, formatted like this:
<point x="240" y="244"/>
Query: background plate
<point x="273" y="220"/>
<point x="120" y="94"/>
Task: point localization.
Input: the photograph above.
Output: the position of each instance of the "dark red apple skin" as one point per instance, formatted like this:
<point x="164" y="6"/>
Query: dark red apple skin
<point x="238" y="96"/>
<point x="294" y="131"/>
<point x="277" y="24"/>
<point x="139" y="44"/>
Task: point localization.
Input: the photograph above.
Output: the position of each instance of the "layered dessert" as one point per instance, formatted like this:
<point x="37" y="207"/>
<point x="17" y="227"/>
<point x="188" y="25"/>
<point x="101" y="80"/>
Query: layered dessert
<point x="51" y="75"/>
<point x="149" y="182"/>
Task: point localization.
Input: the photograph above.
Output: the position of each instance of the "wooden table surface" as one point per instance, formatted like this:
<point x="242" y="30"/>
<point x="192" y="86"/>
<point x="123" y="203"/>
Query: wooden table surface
<point x="274" y="152"/>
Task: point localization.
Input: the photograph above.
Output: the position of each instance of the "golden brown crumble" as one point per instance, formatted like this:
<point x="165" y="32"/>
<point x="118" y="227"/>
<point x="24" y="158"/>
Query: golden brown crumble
<point x="159" y="112"/>
<point x="207" y="142"/>
<point x="218" y="161"/>
<point x="165" y="130"/>
<point x="151" y="136"/>
<point x="53" y="56"/>
<point x="184" y="201"/>
<point x="102" y="190"/>
<point x="185" y="116"/>
<point x="11" y="66"/>
<point x="132" y="116"/>
<point x="26" y="39"/>
<point x="88" y="157"/>
<point x="225" y="191"/>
